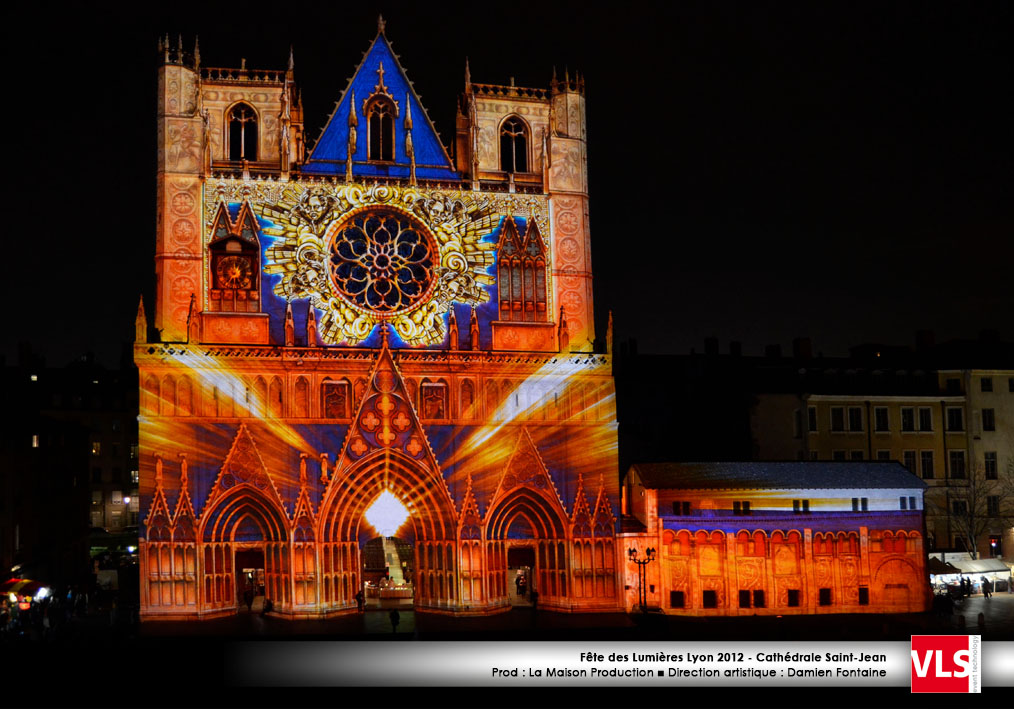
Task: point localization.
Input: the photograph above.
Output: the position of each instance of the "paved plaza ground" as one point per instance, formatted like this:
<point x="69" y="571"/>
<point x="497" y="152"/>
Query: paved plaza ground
<point x="105" y="665"/>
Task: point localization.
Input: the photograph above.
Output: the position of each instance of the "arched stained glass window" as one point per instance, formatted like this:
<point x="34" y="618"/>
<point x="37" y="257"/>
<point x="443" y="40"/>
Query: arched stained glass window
<point x="380" y="114"/>
<point x="514" y="141"/>
<point x="242" y="122"/>
<point x="521" y="266"/>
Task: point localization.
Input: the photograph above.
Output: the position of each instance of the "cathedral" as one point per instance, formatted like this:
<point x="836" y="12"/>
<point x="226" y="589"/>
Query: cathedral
<point x="370" y="320"/>
<point x="375" y="378"/>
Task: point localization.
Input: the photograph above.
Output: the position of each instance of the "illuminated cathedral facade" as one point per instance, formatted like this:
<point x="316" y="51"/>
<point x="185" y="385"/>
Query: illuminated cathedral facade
<point x="363" y="314"/>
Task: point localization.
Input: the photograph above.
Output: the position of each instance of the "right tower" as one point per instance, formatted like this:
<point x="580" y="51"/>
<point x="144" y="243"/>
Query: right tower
<point x="532" y="138"/>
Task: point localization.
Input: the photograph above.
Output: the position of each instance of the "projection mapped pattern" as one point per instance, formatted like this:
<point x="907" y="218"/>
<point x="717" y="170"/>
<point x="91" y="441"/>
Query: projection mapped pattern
<point x="364" y="255"/>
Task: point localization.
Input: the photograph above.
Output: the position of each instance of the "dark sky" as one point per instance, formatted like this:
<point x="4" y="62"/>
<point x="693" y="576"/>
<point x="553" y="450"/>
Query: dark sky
<point x="759" y="171"/>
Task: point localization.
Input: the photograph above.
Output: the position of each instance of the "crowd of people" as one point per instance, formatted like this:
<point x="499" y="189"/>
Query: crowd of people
<point x="48" y="619"/>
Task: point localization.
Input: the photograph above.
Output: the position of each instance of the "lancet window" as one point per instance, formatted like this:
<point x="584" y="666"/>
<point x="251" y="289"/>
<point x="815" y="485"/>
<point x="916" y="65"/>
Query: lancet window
<point x="334" y="400"/>
<point x="522" y="274"/>
<point x="380" y="113"/>
<point x="242" y="122"/>
<point x="514" y="142"/>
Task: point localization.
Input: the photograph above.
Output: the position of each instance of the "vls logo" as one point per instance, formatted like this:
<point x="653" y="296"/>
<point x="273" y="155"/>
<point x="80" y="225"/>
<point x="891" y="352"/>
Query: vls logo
<point x="946" y="663"/>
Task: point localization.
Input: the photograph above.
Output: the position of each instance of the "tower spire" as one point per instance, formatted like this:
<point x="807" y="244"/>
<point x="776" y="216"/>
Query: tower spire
<point x="184" y="476"/>
<point x="468" y="76"/>
<point x="452" y="330"/>
<point x="473" y="329"/>
<point x="409" y="148"/>
<point x="353" y="122"/>
<point x="197" y="53"/>
<point x="292" y="59"/>
<point x="140" y="324"/>
<point x="381" y="24"/>
<point x="564" y="332"/>
<point x="290" y="326"/>
<point x="311" y="326"/>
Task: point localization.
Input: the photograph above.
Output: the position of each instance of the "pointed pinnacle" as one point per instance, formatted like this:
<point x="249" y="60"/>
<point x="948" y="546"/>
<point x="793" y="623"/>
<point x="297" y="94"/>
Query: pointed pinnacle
<point x="292" y="60"/>
<point x="380" y="24"/>
<point x="468" y="74"/>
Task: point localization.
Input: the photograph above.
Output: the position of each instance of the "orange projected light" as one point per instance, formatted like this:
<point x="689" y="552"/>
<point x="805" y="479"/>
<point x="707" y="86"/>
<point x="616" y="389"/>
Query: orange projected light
<point x="386" y="514"/>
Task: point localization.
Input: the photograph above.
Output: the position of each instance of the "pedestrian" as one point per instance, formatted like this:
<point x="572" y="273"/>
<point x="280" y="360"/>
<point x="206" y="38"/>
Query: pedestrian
<point x="985" y="586"/>
<point x="522" y="586"/>
<point x="360" y="601"/>
<point x="395" y="619"/>
<point x="248" y="597"/>
<point x="517" y="584"/>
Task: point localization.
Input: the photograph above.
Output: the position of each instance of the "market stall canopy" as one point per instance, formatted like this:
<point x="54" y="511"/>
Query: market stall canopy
<point x="982" y="566"/>
<point x="22" y="587"/>
<point x="938" y="568"/>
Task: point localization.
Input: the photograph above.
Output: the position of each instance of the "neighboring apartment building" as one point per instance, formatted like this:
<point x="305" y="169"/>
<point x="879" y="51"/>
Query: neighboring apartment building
<point x="953" y="428"/>
<point x="69" y="459"/>
<point x="777" y="538"/>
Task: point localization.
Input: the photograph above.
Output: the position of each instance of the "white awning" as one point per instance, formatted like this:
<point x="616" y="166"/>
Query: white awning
<point x="981" y="566"/>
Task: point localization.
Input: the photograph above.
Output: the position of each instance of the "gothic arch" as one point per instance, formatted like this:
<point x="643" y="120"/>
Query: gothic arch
<point x="241" y="507"/>
<point x="432" y="517"/>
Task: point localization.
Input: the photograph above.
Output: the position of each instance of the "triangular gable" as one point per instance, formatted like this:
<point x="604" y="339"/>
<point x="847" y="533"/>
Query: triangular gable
<point x="605" y="520"/>
<point x="386" y="420"/>
<point x="158" y="521"/>
<point x="304" y="507"/>
<point x="525" y="467"/>
<point x="581" y="517"/>
<point x="331" y="150"/>
<point x="470" y="526"/>
<point x="184" y="518"/>
<point x="243" y="227"/>
<point x="243" y="466"/>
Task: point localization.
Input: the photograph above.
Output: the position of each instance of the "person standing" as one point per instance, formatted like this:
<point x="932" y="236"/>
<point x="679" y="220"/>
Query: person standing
<point x="395" y="619"/>
<point x="360" y="601"/>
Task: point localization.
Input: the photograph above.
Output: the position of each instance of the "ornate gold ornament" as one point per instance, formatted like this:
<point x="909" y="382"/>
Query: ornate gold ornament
<point x="368" y="254"/>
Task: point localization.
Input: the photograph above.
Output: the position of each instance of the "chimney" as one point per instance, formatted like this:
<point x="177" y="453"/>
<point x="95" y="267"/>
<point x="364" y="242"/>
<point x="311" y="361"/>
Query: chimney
<point x="802" y="348"/>
<point x="711" y="346"/>
<point x="736" y="348"/>
<point x="773" y="351"/>
<point x="924" y="340"/>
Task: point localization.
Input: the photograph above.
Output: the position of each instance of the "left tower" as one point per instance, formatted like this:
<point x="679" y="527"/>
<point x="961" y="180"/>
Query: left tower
<point x="236" y="120"/>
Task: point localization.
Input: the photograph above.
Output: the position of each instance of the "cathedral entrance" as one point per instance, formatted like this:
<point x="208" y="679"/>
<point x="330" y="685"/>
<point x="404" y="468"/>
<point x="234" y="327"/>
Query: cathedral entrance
<point x="387" y="572"/>
<point x="249" y="567"/>
<point x="520" y="574"/>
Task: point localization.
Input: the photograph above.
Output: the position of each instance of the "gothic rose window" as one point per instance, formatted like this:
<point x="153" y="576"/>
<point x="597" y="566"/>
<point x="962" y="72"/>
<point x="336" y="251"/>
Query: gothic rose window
<point x="382" y="260"/>
<point x="514" y="145"/>
<point x="242" y="122"/>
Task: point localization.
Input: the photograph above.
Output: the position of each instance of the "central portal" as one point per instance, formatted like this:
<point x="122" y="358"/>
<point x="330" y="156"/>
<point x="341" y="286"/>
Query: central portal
<point x="520" y="574"/>
<point x="388" y="572"/>
<point x="249" y="578"/>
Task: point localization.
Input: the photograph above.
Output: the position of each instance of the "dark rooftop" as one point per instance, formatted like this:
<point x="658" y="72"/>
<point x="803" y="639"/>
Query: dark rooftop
<point x="809" y="474"/>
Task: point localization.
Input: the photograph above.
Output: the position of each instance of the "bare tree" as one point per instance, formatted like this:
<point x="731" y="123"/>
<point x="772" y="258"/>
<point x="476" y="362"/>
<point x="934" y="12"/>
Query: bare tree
<point x="981" y="506"/>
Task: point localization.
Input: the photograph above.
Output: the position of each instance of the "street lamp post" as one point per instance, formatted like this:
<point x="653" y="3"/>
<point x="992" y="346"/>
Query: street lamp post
<point x="649" y="556"/>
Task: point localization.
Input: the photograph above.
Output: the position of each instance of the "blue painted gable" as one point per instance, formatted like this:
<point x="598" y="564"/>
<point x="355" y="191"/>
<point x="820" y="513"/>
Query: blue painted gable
<point x="331" y="151"/>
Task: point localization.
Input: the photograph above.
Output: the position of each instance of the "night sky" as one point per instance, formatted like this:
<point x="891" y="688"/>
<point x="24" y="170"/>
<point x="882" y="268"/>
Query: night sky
<point x="758" y="172"/>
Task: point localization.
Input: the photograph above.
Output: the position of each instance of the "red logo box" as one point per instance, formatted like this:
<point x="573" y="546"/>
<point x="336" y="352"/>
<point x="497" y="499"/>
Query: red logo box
<point x="946" y="663"/>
